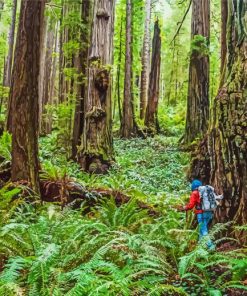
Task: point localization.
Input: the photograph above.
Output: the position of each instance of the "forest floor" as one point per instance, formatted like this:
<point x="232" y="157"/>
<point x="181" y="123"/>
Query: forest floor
<point x="115" y="249"/>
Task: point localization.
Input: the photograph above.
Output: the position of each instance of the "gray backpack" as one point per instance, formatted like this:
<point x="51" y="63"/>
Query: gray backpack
<point x="208" y="198"/>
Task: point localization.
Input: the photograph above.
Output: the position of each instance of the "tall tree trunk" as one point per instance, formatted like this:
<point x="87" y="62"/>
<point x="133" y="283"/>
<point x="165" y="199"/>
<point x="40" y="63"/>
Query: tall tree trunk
<point x="51" y="89"/>
<point x="224" y="13"/>
<point x="226" y="156"/>
<point x="81" y="66"/>
<point x="145" y="61"/>
<point x="24" y="93"/>
<point x="228" y="135"/>
<point x="96" y="151"/>
<point x="8" y="67"/>
<point x="63" y="61"/>
<point x="42" y="68"/>
<point x="48" y="60"/>
<point x="198" y="90"/>
<point x="151" y="118"/>
<point x="119" y="72"/>
<point x="54" y="66"/>
<point x="128" y="125"/>
<point x="61" y="75"/>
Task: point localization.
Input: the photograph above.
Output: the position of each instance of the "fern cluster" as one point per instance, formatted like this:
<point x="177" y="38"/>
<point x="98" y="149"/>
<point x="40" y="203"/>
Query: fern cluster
<point x="114" y="250"/>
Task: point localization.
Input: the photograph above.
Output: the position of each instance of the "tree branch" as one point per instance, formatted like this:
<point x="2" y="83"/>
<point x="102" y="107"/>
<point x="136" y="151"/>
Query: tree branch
<point x="182" y="22"/>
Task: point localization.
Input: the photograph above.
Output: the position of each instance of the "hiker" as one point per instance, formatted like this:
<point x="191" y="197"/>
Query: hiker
<point x="204" y="201"/>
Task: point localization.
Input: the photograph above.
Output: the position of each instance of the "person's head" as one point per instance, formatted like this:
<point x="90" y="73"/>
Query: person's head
<point x="195" y="184"/>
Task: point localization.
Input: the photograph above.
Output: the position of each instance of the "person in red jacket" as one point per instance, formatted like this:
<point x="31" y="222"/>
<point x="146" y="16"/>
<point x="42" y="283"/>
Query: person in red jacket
<point x="203" y="218"/>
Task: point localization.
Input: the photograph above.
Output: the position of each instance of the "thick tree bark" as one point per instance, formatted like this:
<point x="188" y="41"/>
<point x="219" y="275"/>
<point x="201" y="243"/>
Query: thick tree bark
<point x="54" y="70"/>
<point x="81" y="66"/>
<point x="47" y="82"/>
<point x="198" y="90"/>
<point x="224" y="13"/>
<point x="128" y="125"/>
<point x="118" y="91"/>
<point x="96" y="151"/>
<point x="226" y="153"/>
<point x="42" y="68"/>
<point x="8" y="67"/>
<point x="151" y="118"/>
<point x="61" y="75"/>
<point x="24" y="94"/>
<point x="224" y="16"/>
<point x="145" y="61"/>
<point x="63" y="61"/>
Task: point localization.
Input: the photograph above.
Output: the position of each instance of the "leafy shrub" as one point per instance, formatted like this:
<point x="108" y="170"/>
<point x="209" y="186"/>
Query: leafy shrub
<point x="5" y="148"/>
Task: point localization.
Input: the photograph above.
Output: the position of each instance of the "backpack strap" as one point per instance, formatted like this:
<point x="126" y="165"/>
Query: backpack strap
<point x="199" y="205"/>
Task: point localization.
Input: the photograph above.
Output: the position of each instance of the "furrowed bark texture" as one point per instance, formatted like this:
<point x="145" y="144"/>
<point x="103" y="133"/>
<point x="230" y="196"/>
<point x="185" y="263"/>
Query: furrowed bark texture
<point x="118" y="91"/>
<point x="8" y="67"/>
<point x="64" y="62"/>
<point x="151" y="118"/>
<point x="224" y="13"/>
<point x="227" y="138"/>
<point x="128" y="125"/>
<point x="145" y="61"/>
<point x="81" y="66"/>
<point x="96" y="151"/>
<point x="42" y="68"/>
<point x="48" y="78"/>
<point x="198" y="90"/>
<point x="24" y="94"/>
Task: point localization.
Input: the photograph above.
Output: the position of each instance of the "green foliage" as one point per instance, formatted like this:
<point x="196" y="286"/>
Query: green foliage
<point x="8" y="202"/>
<point x="199" y="45"/>
<point x="52" y="172"/>
<point x="85" y="256"/>
<point x="5" y="148"/>
<point x="62" y="124"/>
<point x="128" y="216"/>
<point x="154" y="175"/>
<point x="117" y="250"/>
<point x="174" y="57"/>
<point x="201" y="266"/>
<point x="113" y="250"/>
<point x="172" y="120"/>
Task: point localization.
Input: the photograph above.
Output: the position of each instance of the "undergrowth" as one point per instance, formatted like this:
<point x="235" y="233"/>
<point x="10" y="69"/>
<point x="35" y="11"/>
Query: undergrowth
<point x="114" y="250"/>
<point x="152" y="169"/>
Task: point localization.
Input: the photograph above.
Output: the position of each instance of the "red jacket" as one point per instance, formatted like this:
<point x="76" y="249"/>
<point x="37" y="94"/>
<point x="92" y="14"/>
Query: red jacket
<point x="194" y="202"/>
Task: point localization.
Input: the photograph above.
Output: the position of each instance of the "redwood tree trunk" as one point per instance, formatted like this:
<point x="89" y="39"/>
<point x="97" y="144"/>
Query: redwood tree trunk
<point x="8" y="67"/>
<point x="151" y="118"/>
<point x="64" y="62"/>
<point x="224" y="13"/>
<point x="224" y="16"/>
<point x="24" y="94"/>
<point x="128" y="125"/>
<point x="228" y="133"/>
<point x="145" y="61"/>
<point x="198" y="90"/>
<point x="42" y="68"/>
<point x="96" y="151"/>
<point x="81" y="65"/>
<point x="226" y="154"/>
<point x="48" y="78"/>
<point x="118" y="91"/>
